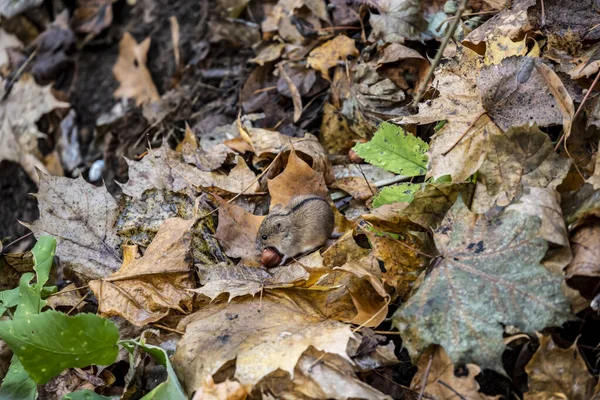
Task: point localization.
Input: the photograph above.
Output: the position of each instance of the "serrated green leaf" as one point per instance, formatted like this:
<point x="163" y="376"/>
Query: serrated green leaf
<point x="17" y="385"/>
<point x="50" y="342"/>
<point x="488" y="276"/>
<point x="87" y="395"/>
<point x="171" y="388"/>
<point x="403" y="192"/>
<point x="395" y="150"/>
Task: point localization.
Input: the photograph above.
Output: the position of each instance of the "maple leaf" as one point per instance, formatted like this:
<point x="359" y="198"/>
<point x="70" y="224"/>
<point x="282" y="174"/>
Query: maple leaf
<point x="82" y="218"/>
<point x="145" y="289"/>
<point x="489" y="274"/>
<point x="260" y="335"/>
<point x="131" y="71"/>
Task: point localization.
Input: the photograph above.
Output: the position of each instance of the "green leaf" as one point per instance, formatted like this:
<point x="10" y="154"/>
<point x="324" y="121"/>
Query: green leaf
<point x="87" y="395"/>
<point x="17" y="385"/>
<point x="30" y="302"/>
<point x="395" y="150"/>
<point x="488" y="276"/>
<point x="43" y="255"/>
<point x="170" y="389"/>
<point x="8" y="299"/>
<point x="50" y="342"/>
<point x="403" y="192"/>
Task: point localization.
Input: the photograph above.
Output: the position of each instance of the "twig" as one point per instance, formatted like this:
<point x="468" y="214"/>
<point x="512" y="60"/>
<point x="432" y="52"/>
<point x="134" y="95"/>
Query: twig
<point x="17" y="75"/>
<point x="451" y="388"/>
<point x="384" y="308"/>
<point x="67" y="291"/>
<point x="543" y="14"/>
<point x="464" y="134"/>
<point x="79" y="302"/>
<point x="440" y="52"/>
<point x="426" y="374"/>
<point x="366" y="180"/>
<point x="166" y="328"/>
<point x="16" y="240"/>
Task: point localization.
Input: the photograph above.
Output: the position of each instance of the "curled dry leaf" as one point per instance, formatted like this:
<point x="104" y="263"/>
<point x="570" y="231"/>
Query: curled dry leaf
<point x="82" y="218"/>
<point x="131" y="71"/>
<point x="237" y="231"/>
<point x="583" y="272"/>
<point x="331" y="53"/>
<point x="469" y="281"/>
<point x="144" y="290"/>
<point x="557" y="373"/>
<point x="260" y="335"/>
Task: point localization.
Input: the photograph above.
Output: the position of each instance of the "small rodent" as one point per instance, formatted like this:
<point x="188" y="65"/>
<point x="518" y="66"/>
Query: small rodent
<point x="304" y="224"/>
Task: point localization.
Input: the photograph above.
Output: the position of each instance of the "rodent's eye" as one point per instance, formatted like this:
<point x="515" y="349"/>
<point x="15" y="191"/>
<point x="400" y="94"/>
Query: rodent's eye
<point x="264" y="237"/>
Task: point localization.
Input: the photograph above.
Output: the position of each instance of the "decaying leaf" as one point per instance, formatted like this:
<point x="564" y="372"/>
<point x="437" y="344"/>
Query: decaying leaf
<point x="205" y="160"/>
<point x="19" y="113"/>
<point x="144" y="290"/>
<point x="228" y="390"/>
<point x="556" y="373"/>
<point x="331" y="53"/>
<point x="397" y="21"/>
<point x="260" y="335"/>
<point x="82" y="218"/>
<point x="131" y="71"/>
<point x="93" y="16"/>
<point x="489" y="275"/>
<point x="583" y="272"/>
<point x="237" y="231"/>
<point x="10" y="8"/>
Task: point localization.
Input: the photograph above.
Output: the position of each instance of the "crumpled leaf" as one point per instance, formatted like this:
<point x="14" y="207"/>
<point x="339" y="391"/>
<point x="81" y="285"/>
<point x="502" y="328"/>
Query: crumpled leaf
<point x="205" y="160"/>
<point x="82" y="218"/>
<point x="131" y="71"/>
<point x="11" y="8"/>
<point x="237" y="231"/>
<point x="489" y="275"/>
<point x="331" y="53"/>
<point x="240" y="280"/>
<point x="93" y="16"/>
<point x="227" y="390"/>
<point x="397" y="21"/>
<point x="523" y="156"/>
<point x="442" y="381"/>
<point x="164" y="168"/>
<point x="19" y="113"/>
<point x="556" y="373"/>
<point x="394" y="149"/>
<point x="144" y="290"/>
<point x="583" y="273"/>
<point x="262" y="335"/>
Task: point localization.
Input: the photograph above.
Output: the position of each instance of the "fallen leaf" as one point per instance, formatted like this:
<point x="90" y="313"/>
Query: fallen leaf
<point x="583" y="273"/>
<point x="19" y="113"/>
<point x="397" y="21"/>
<point x="228" y="390"/>
<point x="442" y="381"/>
<point x="11" y="9"/>
<point x="82" y="218"/>
<point x="297" y="179"/>
<point x="270" y="52"/>
<point x="523" y="156"/>
<point x="260" y="335"/>
<point x="144" y="290"/>
<point x="131" y="71"/>
<point x="67" y="297"/>
<point x="93" y="16"/>
<point x="331" y="53"/>
<point x="359" y="188"/>
<point x="7" y="41"/>
<point x="470" y="281"/>
<point x="194" y="154"/>
<point x="556" y="373"/>
<point x="296" y="97"/>
<point x="404" y="66"/>
<point x="562" y="97"/>
<point x="501" y="47"/>
<point x="237" y="231"/>
<point x="580" y="19"/>
<point x="336" y="135"/>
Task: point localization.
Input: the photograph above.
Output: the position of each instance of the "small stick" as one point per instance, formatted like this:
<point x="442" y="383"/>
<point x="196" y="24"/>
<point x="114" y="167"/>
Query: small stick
<point x="79" y="302"/>
<point x="17" y="75"/>
<point x="438" y="56"/>
<point x="426" y="375"/>
<point x="166" y="328"/>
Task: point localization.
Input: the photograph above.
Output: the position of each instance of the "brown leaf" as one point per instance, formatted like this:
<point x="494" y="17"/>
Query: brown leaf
<point x="442" y="381"/>
<point x="296" y="98"/>
<point x="555" y="373"/>
<point x="131" y="71"/>
<point x="93" y="16"/>
<point x="583" y="272"/>
<point x="336" y="135"/>
<point x="144" y="290"/>
<point x="67" y="297"/>
<point x="297" y="179"/>
<point x="397" y="21"/>
<point x="260" y="335"/>
<point x="399" y="62"/>
<point x="194" y="154"/>
<point x="356" y="186"/>
<point x="330" y="53"/>
<point x="562" y="97"/>
<point x="82" y="218"/>
<point x="237" y="231"/>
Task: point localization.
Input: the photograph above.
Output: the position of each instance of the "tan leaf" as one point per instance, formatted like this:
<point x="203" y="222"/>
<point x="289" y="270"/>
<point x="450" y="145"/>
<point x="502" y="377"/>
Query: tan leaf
<point x="205" y="160"/>
<point x="442" y="381"/>
<point x="81" y="217"/>
<point x="331" y="53"/>
<point x="93" y="16"/>
<point x="237" y="231"/>
<point x="297" y="179"/>
<point x="67" y="297"/>
<point x="19" y="113"/>
<point x="356" y="186"/>
<point x="555" y="373"/>
<point x="260" y="335"/>
<point x="336" y="135"/>
<point x="144" y="290"/>
<point x="523" y="156"/>
<point x="562" y="97"/>
<point x="228" y="390"/>
<point x="131" y="71"/>
<point x="270" y="52"/>
<point x="501" y="47"/>
<point x="296" y="97"/>
<point x="584" y="270"/>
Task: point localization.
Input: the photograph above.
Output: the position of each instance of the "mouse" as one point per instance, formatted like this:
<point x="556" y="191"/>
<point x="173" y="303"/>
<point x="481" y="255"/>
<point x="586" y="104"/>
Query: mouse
<point x="302" y="226"/>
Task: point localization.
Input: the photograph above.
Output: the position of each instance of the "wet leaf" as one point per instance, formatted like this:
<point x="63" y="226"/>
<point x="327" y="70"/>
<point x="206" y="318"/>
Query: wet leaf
<point x="489" y="275"/>
<point x="82" y="218"/>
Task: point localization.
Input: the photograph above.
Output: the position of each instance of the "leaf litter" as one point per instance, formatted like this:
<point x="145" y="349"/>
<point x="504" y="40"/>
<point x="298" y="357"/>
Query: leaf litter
<point x="464" y="224"/>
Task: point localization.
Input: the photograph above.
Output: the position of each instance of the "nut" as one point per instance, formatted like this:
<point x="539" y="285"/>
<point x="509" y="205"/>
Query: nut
<point x="270" y="258"/>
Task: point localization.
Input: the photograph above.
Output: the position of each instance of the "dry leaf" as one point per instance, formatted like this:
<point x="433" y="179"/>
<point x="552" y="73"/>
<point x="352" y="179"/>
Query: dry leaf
<point x="336" y="135"/>
<point x="93" y="16"/>
<point x="67" y="297"/>
<point x="131" y="71"/>
<point x="82" y="218"/>
<point x="296" y="97"/>
<point x="19" y="113"/>
<point x="583" y="273"/>
<point x="357" y="187"/>
<point x="228" y="390"/>
<point x="501" y="47"/>
<point x="331" y="53"/>
<point x="397" y="21"/>
<point x="237" y="231"/>
<point x="144" y="290"/>
<point x="562" y="97"/>
<point x="260" y="335"/>
<point x="194" y="154"/>
<point x="555" y="373"/>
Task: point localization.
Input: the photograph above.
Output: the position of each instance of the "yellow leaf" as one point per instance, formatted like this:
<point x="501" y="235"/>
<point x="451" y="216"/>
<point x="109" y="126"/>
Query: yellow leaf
<point x="330" y="53"/>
